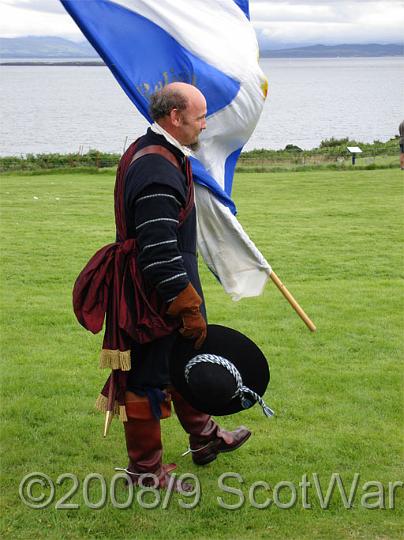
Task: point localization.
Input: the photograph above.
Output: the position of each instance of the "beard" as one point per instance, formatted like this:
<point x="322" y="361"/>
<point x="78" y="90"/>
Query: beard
<point x="195" y="146"/>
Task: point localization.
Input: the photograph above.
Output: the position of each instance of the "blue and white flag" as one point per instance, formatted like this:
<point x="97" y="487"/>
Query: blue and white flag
<point x="211" y="44"/>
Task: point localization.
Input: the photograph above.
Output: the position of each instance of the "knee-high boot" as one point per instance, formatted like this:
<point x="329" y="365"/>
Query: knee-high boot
<point x="143" y="442"/>
<point x="206" y="439"/>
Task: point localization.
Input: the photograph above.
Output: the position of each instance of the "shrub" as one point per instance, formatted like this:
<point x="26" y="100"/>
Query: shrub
<point x="293" y="148"/>
<point x="329" y="143"/>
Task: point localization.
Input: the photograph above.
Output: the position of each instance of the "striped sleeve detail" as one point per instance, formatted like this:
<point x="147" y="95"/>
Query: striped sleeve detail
<point x="148" y="246"/>
<point x="171" y="278"/>
<point x="155" y="221"/>
<point x="162" y="262"/>
<point x="146" y="197"/>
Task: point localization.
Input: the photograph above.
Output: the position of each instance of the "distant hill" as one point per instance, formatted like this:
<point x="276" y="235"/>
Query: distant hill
<point x="55" y="47"/>
<point x="45" y="47"/>
<point x="333" y="51"/>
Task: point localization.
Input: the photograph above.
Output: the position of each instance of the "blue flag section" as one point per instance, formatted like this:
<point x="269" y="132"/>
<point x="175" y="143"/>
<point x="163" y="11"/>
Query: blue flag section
<point x="244" y="6"/>
<point x="151" y="58"/>
<point x="209" y="43"/>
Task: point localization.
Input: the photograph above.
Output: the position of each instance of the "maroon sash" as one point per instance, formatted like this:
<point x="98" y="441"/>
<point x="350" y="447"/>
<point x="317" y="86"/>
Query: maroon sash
<point x="111" y="283"/>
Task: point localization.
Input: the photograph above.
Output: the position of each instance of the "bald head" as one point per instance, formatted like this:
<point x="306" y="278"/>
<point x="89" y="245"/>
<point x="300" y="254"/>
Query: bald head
<point x="188" y="91"/>
<point x="180" y="109"/>
<point x="176" y="95"/>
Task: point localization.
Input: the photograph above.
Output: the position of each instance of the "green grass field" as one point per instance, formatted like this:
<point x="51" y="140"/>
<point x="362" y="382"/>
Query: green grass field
<point x="333" y="238"/>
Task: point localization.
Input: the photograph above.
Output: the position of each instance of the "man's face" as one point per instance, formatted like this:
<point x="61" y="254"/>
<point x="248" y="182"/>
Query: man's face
<point x="193" y="122"/>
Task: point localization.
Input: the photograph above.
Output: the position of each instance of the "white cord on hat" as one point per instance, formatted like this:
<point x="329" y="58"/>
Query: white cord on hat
<point x="241" y="389"/>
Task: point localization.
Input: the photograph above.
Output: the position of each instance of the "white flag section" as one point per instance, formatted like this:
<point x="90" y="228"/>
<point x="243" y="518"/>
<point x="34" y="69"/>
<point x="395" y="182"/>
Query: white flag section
<point x="211" y="44"/>
<point x="227" y="250"/>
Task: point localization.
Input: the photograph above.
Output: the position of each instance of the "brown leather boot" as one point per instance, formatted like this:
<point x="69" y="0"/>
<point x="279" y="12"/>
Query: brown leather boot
<point x="143" y="442"/>
<point x="206" y="439"/>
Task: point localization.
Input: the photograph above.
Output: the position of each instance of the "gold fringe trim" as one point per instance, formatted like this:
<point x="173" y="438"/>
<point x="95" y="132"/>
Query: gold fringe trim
<point x="101" y="405"/>
<point x="115" y="359"/>
<point x="122" y="413"/>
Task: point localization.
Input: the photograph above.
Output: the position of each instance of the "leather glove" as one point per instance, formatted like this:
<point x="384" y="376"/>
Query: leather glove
<point x="186" y="306"/>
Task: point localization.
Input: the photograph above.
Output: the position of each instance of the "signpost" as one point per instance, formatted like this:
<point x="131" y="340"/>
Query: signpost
<point x="354" y="150"/>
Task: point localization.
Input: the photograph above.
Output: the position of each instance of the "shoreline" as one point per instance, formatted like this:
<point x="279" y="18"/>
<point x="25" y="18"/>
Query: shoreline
<point x="52" y="63"/>
<point x="100" y="63"/>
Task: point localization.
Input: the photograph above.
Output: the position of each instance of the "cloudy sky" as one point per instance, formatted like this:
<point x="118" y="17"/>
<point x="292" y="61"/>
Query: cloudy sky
<point x="277" y="22"/>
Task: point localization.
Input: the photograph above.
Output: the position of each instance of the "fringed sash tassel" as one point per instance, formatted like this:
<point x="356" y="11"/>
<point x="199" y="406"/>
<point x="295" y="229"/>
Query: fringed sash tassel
<point x="101" y="405"/>
<point x="115" y="359"/>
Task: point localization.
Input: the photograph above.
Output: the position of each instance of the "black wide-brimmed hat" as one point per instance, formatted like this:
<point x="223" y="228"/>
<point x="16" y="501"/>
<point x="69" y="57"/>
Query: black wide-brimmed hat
<point x="228" y="374"/>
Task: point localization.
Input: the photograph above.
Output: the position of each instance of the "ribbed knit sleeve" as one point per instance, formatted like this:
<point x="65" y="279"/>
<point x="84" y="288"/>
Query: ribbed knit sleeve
<point x="156" y="213"/>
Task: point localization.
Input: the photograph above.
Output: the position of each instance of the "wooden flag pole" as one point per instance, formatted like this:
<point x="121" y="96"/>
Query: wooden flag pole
<point x="307" y="321"/>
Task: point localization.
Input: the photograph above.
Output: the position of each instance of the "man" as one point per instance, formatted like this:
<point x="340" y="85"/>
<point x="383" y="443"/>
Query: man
<point x="401" y="132"/>
<point x="155" y="192"/>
